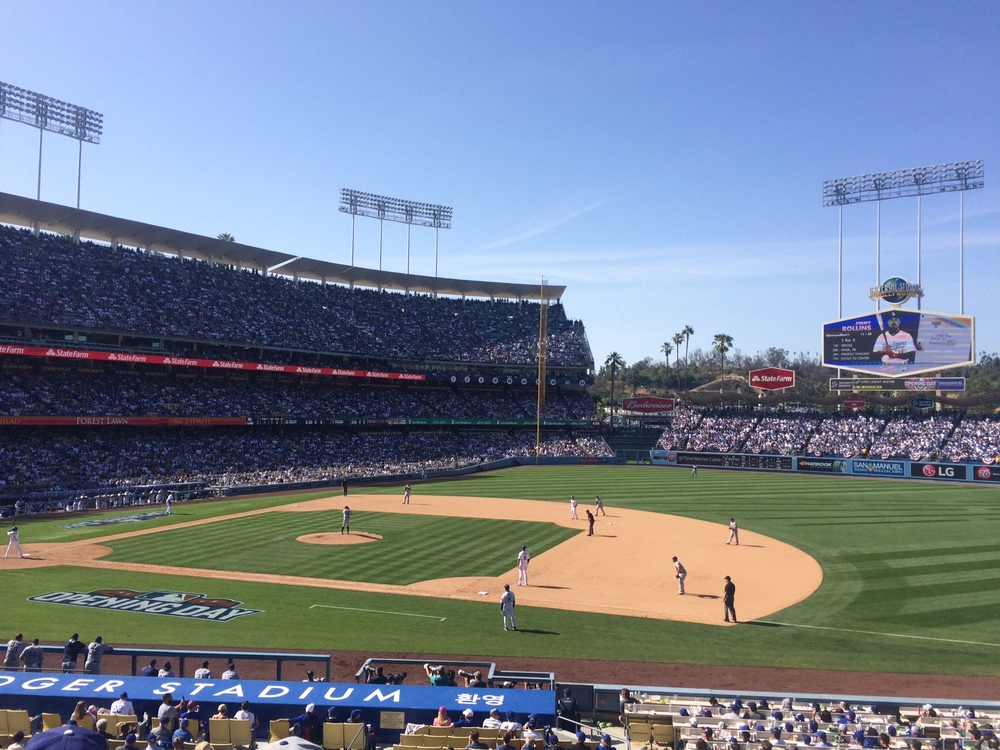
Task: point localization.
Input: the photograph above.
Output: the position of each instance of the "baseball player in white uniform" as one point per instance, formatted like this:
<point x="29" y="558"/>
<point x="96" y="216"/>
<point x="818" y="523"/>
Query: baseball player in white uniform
<point x="523" y="558"/>
<point x="572" y="507"/>
<point x="347" y="520"/>
<point x="507" y="607"/>
<point x="14" y="542"/>
<point x="406" y="495"/>
<point x="734" y="532"/>
<point x="681" y="575"/>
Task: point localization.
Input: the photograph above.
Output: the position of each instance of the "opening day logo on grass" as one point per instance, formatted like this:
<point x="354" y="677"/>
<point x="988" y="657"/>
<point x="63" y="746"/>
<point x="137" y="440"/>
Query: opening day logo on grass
<point x="170" y="603"/>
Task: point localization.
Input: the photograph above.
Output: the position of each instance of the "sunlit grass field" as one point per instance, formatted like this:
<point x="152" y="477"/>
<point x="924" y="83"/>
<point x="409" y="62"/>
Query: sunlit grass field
<point x="910" y="574"/>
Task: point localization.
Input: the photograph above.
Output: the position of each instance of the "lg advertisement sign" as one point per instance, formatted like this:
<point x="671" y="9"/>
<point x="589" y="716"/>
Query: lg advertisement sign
<point x="937" y="471"/>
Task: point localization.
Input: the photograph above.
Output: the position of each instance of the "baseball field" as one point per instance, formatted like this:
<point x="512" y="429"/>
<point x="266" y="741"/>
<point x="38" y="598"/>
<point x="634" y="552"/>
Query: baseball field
<point x="832" y="573"/>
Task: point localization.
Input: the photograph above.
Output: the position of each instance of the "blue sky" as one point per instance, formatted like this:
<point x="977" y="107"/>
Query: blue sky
<point x="663" y="161"/>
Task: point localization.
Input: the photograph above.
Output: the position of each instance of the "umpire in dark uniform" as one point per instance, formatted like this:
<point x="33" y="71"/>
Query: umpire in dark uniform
<point x="729" y="599"/>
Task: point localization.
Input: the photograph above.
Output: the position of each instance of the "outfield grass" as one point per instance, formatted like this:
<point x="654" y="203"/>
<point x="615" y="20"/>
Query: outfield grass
<point x="910" y="576"/>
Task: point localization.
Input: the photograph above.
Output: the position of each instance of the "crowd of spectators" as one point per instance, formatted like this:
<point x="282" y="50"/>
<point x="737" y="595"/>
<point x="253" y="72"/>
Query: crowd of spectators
<point x="80" y="391"/>
<point x="950" y="436"/>
<point x="49" y="280"/>
<point x="38" y="460"/>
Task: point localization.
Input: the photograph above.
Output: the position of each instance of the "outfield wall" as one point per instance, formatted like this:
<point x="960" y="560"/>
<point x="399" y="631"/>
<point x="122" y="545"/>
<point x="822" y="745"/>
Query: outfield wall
<point x="866" y="466"/>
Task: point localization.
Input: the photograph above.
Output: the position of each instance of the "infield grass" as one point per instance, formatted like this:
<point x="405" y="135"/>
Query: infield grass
<point x="910" y="575"/>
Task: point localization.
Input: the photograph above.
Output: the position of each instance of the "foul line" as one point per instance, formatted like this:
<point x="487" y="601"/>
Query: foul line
<point x="873" y="632"/>
<point x="379" y="612"/>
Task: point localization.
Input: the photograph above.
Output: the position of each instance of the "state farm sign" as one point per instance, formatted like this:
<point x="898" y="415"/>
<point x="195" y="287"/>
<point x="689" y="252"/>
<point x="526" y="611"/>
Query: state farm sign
<point x="648" y="404"/>
<point x="772" y="378"/>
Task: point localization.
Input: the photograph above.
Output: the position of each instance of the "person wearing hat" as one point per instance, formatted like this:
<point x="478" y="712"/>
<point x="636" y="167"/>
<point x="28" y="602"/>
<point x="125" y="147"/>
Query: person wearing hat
<point x="523" y="558"/>
<point x="581" y="741"/>
<point x="183" y="732"/>
<point x="193" y="715"/>
<point x="151" y="742"/>
<point x="203" y="672"/>
<point x="14" y="648"/>
<point x="309" y="725"/>
<point x="729" y="599"/>
<point x="167" y="670"/>
<point x="71" y="652"/>
<point x="222" y="712"/>
<point x="681" y="574"/>
<point x="406" y="494"/>
<point x="528" y="733"/>
<point x="32" y="657"/>
<point x="510" y="723"/>
<point x="605" y="743"/>
<point x="507" y="603"/>
<point x="442" y="719"/>
<point x="230" y="673"/>
<point x="95" y="652"/>
<point x="493" y="720"/>
<point x="14" y="542"/>
<point x="893" y="345"/>
<point x="465" y="720"/>
<point x="130" y="739"/>
<point x="123" y="706"/>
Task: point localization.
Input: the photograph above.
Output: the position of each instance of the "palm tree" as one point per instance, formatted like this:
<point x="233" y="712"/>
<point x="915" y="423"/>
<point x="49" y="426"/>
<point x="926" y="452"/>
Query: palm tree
<point x="615" y="362"/>
<point x="226" y="237"/>
<point x="722" y="343"/>
<point x="666" y="349"/>
<point x="688" y="333"/>
<point x="677" y="339"/>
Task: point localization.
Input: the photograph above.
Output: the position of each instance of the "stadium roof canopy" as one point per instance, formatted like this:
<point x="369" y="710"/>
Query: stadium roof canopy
<point x="73" y="222"/>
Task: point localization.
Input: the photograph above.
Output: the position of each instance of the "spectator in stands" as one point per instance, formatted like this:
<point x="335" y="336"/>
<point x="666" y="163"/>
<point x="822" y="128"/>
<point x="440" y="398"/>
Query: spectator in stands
<point x="245" y="714"/>
<point x="442" y="719"/>
<point x="465" y="720"/>
<point x="493" y="720"/>
<point x="169" y="712"/>
<point x="474" y="743"/>
<point x="308" y="725"/>
<point x="222" y="712"/>
<point x="505" y="741"/>
<point x="150" y="670"/>
<point x="123" y="706"/>
<point x="17" y="741"/>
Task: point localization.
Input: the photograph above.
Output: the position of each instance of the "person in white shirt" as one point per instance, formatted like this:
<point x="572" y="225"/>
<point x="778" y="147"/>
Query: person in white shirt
<point x="230" y="673"/>
<point x="572" y="507"/>
<point x="203" y="672"/>
<point x="14" y="542"/>
<point x="681" y="574"/>
<point x="123" y="706"/>
<point x="523" y="558"/>
<point x="507" y="602"/>
<point x="493" y="720"/>
<point x="734" y="532"/>
<point x="245" y="714"/>
<point x="894" y="345"/>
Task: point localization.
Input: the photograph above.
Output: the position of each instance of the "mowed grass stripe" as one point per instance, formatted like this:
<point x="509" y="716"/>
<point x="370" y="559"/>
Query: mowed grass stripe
<point x="413" y="548"/>
<point x="874" y="539"/>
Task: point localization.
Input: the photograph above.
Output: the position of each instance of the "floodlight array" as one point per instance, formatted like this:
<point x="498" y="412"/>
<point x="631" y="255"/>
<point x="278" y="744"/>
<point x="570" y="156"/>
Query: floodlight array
<point x="394" y="209"/>
<point x="50" y="114"/>
<point x="903" y="183"/>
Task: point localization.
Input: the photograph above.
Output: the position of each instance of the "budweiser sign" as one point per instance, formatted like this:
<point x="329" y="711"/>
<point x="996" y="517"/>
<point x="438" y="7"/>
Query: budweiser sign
<point x="772" y="378"/>
<point x="648" y="404"/>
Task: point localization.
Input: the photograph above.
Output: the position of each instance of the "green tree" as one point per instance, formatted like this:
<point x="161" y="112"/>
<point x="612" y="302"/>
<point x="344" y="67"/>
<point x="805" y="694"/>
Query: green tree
<point x="677" y="339"/>
<point x="688" y="333"/>
<point x="722" y="343"/>
<point x="666" y="349"/>
<point x="226" y="237"/>
<point x="614" y="362"/>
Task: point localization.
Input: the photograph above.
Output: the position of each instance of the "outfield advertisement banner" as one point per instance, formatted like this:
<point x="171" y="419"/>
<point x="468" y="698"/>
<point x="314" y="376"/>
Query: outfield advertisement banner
<point x="215" y="364"/>
<point x="867" y="467"/>
<point x="937" y="471"/>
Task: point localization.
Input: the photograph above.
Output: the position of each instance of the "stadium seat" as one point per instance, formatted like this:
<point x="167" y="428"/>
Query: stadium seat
<point x="240" y="733"/>
<point x="218" y="731"/>
<point x="18" y="721"/>
<point x="278" y="729"/>
<point x="333" y="735"/>
<point x="355" y="736"/>
<point x="663" y="734"/>
<point x="51" y="721"/>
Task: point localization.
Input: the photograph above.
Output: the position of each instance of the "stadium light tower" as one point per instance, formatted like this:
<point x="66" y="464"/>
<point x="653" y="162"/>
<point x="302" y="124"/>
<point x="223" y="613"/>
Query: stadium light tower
<point x="357" y="203"/>
<point x="46" y="113"/>
<point x="904" y="183"/>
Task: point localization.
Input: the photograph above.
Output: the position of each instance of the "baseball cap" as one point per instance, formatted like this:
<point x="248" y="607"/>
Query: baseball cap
<point x="468" y="712"/>
<point x="130" y="738"/>
<point x="151" y="738"/>
<point x="222" y="707"/>
<point x="310" y="708"/>
<point x="581" y="736"/>
<point x="605" y="738"/>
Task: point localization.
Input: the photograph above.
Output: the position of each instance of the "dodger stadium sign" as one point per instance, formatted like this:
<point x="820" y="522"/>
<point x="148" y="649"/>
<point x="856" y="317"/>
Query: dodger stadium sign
<point x="169" y="603"/>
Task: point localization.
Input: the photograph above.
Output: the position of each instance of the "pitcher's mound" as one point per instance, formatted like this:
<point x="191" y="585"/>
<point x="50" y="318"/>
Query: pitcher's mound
<point x="355" y="537"/>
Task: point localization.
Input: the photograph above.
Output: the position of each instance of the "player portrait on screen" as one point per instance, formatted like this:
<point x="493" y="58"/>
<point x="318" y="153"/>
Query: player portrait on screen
<point x="894" y="345"/>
